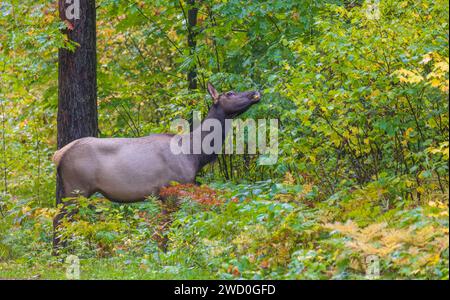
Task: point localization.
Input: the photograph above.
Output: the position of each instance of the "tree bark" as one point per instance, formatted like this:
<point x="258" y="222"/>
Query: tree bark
<point x="192" y="42"/>
<point x="77" y="98"/>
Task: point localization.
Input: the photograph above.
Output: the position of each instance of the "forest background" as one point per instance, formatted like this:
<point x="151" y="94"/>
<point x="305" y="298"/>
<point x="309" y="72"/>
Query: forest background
<point x="361" y="95"/>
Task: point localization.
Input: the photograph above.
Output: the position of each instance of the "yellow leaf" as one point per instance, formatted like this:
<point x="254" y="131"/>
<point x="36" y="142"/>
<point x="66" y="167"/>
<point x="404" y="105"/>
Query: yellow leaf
<point x="443" y="66"/>
<point x="408" y="76"/>
<point x="435" y="83"/>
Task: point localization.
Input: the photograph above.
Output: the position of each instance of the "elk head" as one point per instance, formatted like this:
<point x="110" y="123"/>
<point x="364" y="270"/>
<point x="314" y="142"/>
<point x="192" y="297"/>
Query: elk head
<point x="233" y="103"/>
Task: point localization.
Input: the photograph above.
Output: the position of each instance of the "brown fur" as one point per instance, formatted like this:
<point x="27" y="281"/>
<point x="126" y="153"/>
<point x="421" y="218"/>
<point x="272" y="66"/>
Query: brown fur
<point x="131" y="169"/>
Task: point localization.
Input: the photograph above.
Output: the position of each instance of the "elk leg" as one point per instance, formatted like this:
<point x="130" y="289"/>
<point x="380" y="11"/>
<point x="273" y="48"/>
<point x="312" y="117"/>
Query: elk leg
<point x="58" y="243"/>
<point x="169" y="206"/>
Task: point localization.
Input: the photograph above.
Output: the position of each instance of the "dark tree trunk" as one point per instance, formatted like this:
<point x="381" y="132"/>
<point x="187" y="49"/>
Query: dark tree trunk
<point x="192" y="13"/>
<point x="77" y="98"/>
<point x="77" y="104"/>
<point x="192" y="43"/>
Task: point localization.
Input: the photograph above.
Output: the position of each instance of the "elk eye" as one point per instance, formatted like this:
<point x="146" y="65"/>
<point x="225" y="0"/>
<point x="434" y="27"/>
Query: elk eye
<point x="229" y="94"/>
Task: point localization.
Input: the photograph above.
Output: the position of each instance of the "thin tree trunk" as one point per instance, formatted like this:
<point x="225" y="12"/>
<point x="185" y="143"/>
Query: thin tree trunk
<point x="5" y="165"/>
<point x="192" y="42"/>
<point x="191" y="22"/>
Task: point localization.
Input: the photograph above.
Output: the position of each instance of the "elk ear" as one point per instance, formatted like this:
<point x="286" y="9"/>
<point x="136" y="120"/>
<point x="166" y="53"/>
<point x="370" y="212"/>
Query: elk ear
<point x="213" y="93"/>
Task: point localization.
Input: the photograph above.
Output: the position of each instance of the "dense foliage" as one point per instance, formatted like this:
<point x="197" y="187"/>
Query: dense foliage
<point x="362" y="103"/>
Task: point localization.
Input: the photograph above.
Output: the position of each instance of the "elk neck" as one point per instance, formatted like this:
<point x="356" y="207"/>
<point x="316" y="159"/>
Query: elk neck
<point x="215" y="113"/>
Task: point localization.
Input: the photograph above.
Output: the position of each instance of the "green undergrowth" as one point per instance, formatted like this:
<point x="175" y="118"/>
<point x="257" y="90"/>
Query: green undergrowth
<point x="265" y="230"/>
